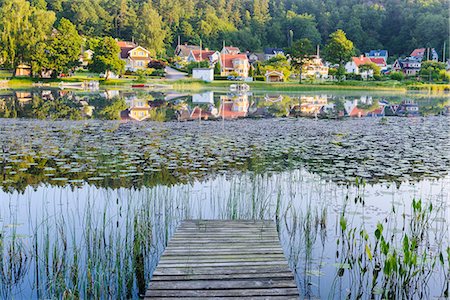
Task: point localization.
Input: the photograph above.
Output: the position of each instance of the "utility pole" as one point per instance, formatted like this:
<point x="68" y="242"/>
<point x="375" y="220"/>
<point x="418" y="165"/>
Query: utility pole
<point x="443" y="54"/>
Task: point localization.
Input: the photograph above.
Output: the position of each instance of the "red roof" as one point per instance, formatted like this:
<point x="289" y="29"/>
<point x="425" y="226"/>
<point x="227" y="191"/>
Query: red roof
<point x="226" y="111"/>
<point x="418" y="52"/>
<point x="227" y="59"/>
<point x="379" y="61"/>
<point x="126" y="44"/>
<point x="201" y="55"/>
<point x="357" y="112"/>
<point x="361" y="60"/>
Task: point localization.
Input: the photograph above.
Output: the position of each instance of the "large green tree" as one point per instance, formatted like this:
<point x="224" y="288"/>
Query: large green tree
<point x="106" y="58"/>
<point x="150" y="31"/>
<point x="300" y="53"/>
<point x="61" y="52"/>
<point x="339" y="50"/>
<point x="22" y="27"/>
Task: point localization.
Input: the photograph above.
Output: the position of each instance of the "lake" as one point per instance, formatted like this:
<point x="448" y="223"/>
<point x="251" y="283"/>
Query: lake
<point x="359" y="194"/>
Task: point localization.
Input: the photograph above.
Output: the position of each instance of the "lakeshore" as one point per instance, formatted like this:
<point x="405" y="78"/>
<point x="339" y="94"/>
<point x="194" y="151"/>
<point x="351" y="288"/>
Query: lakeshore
<point x="222" y="85"/>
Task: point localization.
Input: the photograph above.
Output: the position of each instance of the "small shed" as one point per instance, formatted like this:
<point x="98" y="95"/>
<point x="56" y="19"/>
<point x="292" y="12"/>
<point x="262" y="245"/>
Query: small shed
<point x="205" y="74"/>
<point x="23" y="70"/>
<point x="274" y="76"/>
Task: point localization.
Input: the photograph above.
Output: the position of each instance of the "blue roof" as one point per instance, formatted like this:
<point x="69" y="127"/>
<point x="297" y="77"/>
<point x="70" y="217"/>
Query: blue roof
<point x="273" y="50"/>
<point x="377" y="53"/>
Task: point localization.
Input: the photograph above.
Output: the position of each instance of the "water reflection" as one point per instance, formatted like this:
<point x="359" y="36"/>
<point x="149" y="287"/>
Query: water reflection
<point x="208" y="105"/>
<point x="87" y="242"/>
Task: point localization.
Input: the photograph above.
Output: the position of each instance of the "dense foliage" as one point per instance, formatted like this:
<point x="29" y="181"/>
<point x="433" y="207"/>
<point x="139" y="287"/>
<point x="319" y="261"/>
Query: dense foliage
<point x="396" y="25"/>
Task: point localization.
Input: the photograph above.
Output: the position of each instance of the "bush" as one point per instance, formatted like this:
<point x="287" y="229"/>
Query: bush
<point x="397" y="76"/>
<point x="259" y="78"/>
<point x="218" y="77"/>
<point x="352" y="76"/>
<point x="157" y="64"/>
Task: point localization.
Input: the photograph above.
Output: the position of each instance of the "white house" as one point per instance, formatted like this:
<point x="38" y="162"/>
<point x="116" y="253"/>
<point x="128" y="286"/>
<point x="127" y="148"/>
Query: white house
<point x="353" y="66"/>
<point x="205" y="74"/>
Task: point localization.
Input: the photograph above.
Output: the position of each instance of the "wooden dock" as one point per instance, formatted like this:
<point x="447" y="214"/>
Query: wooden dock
<point x="223" y="259"/>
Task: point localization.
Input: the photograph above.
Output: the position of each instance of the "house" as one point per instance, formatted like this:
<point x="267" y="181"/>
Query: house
<point x="230" y="50"/>
<point x="139" y="110"/>
<point x="314" y="68"/>
<point x="205" y="97"/>
<point x="274" y="76"/>
<point x="23" y="70"/>
<point x="408" y="108"/>
<point x="135" y="57"/>
<point x="378" y="54"/>
<point x="380" y="62"/>
<point x="234" y="64"/>
<point x="410" y="66"/>
<point x="271" y="52"/>
<point x="255" y="57"/>
<point x="355" y="63"/>
<point x="183" y="51"/>
<point x="202" y="55"/>
<point x="422" y="53"/>
<point x="86" y="57"/>
<point x="233" y="107"/>
<point x="205" y="74"/>
<point x="311" y="105"/>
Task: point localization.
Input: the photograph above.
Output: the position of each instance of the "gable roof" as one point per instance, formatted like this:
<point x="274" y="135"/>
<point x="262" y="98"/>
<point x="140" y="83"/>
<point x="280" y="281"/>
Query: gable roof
<point x="375" y="53"/>
<point x="361" y="60"/>
<point x="273" y="51"/>
<point x="232" y="49"/>
<point x="378" y="61"/>
<point x="125" y="47"/>
<point x="125" y="51"/>
<point x="201" y="55"/>
<point x="185" y="50"/>
<point x="273" y="72"/>
<point x="227" y="60"/>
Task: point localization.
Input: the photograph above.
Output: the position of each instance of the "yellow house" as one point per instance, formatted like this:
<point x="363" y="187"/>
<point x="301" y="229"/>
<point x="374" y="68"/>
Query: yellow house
<point x="314" y="68"/>
<point x="234" y="64"/>
<point x="135" y="57"/>
<point x="139" y="110"/>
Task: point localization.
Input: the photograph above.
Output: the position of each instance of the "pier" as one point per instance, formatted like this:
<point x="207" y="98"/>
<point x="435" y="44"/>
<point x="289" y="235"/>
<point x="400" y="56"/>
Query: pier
<point x="223" y="259"/>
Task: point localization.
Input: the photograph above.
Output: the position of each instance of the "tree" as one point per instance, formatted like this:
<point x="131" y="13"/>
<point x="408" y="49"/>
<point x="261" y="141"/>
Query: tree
<point x="431" y="69"/>
<point x="300" y="52"/>
<point x="61" y="52"/>
<point x="339" y="49"/>
<point x="150" y="32"/>
<point x="371" y="66"/>
<point x="106" y="58"/>
<point x="22" y="27"/>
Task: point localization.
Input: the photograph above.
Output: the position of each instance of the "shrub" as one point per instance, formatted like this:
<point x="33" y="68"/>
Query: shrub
<point x="397" y="76"/>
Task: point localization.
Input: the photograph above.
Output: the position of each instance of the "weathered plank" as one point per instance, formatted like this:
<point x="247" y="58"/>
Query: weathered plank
<point x="223" y="259"/>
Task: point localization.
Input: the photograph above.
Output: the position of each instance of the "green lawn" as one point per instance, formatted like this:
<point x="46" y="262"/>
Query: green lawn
<point x="196" y="85"/>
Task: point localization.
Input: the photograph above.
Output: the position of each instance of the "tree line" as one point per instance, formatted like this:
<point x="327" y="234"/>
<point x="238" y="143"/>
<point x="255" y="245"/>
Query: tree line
<point x="28" y="27"/>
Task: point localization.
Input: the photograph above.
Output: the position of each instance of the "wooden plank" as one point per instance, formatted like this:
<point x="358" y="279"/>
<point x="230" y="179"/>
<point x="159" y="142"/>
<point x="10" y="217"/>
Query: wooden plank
<point x="224" y="293"/>
<point x="233" y="298"/>
<point x="222" y="284"/>
<point x="225" y="259"/>
<point x="275" y="276"/>
<point x="225" y="270"/>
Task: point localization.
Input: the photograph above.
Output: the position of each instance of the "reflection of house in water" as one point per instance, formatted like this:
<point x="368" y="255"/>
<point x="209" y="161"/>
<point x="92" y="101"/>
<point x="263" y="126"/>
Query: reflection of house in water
<point x="139" y="110"/>
<point x="24" y="97"/>
<point x="408" y="108"/>
<point x="233" y="107"/>
<point x="110" y="94"/>
<point x="273" y="98"/>
<point x="311" y="105"/>
<point x="206" y="97"/>
<point x="197" y="113"/>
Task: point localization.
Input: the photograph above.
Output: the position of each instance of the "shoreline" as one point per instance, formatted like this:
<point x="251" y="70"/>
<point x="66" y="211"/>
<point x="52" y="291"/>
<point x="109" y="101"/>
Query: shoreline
<point x="223" y="85"/>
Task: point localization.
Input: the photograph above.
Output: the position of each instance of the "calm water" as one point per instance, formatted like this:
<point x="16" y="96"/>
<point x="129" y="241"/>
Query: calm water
<point x="85" y="203"/>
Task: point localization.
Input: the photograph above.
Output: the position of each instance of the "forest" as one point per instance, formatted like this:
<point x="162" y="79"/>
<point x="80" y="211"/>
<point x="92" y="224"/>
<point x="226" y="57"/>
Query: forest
<point x="396" y="25"/>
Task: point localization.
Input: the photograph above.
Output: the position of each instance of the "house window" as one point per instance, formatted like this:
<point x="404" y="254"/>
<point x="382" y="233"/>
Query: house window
<point x="140" y="53"/>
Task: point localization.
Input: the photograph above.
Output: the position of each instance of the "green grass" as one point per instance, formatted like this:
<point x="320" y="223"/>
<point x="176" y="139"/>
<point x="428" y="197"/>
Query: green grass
<point x="196" y="85"/>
